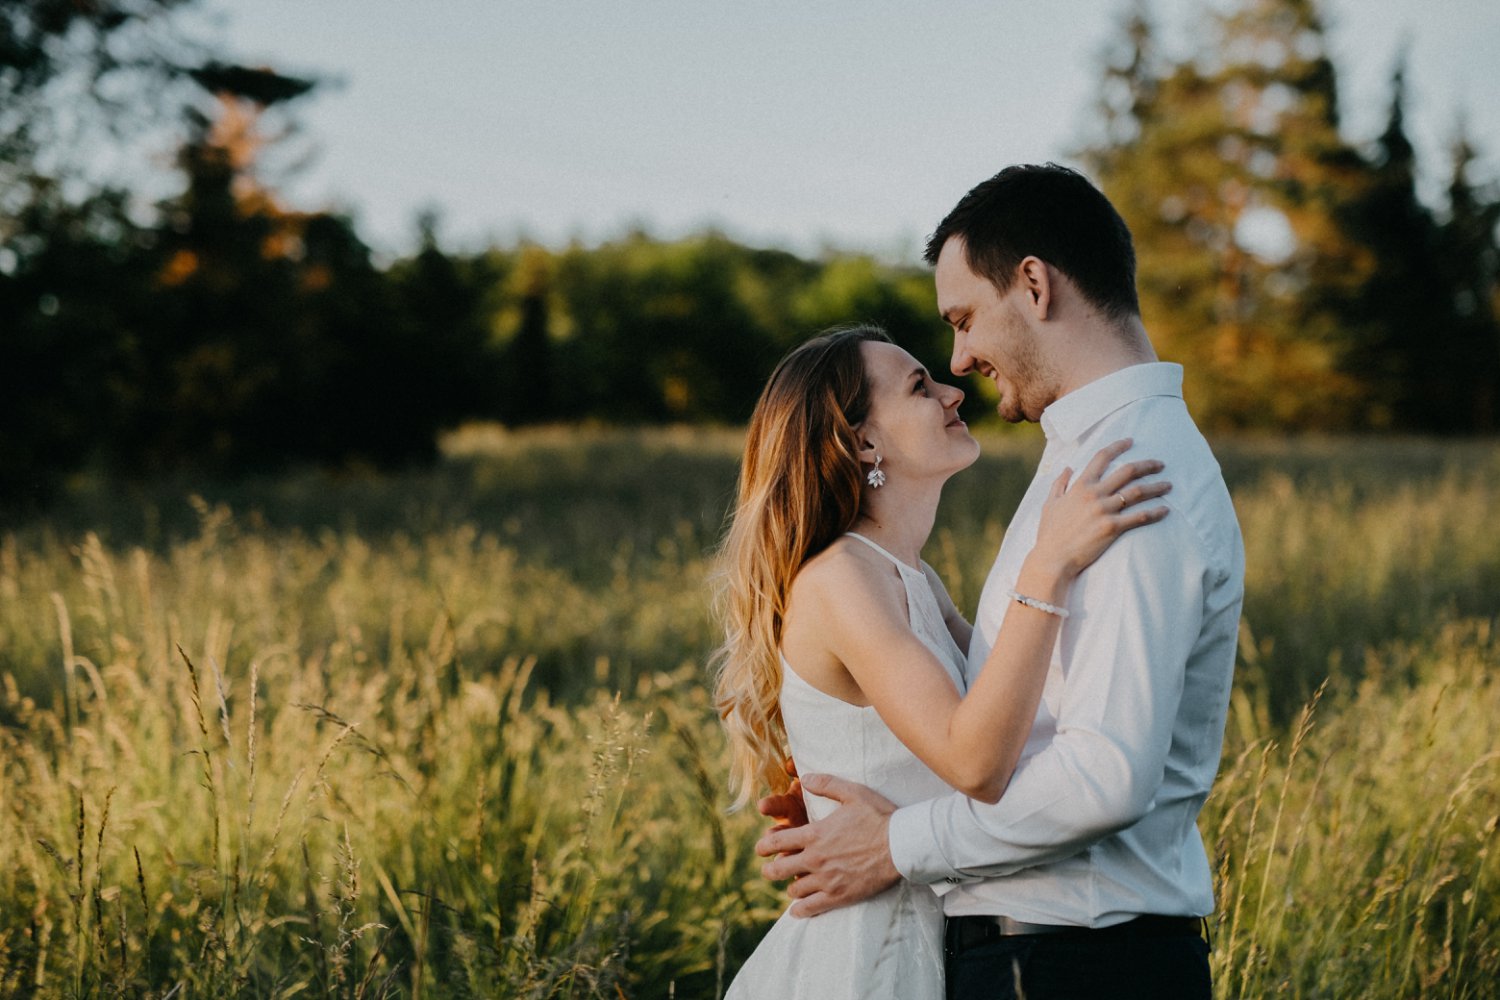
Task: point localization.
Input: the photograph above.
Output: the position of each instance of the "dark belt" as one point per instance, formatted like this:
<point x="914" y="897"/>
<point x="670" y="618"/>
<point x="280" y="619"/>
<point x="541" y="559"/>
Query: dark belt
<point x="963" y="933"/>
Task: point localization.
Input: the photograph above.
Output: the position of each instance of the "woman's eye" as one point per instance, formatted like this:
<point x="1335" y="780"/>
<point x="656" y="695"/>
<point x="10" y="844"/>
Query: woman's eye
<point x="921" y="386"/>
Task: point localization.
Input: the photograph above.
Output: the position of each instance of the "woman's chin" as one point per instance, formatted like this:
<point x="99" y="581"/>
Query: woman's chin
<point x="966" y="460"/>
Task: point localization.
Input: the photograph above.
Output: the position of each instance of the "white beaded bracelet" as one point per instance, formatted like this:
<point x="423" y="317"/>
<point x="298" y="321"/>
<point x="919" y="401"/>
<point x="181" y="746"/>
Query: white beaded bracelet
<point x="1032" y="602"/>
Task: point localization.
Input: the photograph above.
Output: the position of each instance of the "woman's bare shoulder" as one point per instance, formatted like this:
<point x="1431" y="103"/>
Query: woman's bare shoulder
<point x="846" y="569"/>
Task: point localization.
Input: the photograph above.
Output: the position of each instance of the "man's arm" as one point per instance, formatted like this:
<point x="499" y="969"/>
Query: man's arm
<point x="1137" y="616"/>
<point x="840" y="859"/>
<point x="1124" y="663"/>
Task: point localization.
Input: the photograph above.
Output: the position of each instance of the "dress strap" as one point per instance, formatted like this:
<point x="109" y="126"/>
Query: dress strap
<point x="877" y="548"/>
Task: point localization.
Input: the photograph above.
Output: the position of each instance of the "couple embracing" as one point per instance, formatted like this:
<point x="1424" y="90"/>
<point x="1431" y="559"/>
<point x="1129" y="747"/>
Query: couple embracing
<point x="1006" y="809"/>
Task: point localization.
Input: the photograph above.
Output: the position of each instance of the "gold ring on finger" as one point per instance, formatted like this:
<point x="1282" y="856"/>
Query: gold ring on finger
<point x="1123" y="502"/>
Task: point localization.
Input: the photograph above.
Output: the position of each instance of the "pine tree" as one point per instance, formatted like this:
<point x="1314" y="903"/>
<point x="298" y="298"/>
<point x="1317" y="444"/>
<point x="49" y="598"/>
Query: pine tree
<point x="1128" y="97"/>
<point x="529" y="357"/>
<point x="1235" y="184"/>
<point x="1401" y="307"/>
<point x="1429" y="341"/>
<point x="1469" y="252"/>
<point x="126" y="54"/>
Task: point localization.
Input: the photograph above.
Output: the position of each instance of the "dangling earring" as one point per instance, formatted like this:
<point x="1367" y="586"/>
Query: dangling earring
<point x="876" y="478"/>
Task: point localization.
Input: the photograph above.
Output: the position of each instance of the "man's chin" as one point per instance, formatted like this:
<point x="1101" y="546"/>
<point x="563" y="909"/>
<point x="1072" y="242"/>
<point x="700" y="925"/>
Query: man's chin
<point x="1011" y="414"/>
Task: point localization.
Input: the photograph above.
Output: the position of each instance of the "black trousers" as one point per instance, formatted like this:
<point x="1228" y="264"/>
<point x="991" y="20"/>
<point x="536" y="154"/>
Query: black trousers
<point x="1090" y="965"/>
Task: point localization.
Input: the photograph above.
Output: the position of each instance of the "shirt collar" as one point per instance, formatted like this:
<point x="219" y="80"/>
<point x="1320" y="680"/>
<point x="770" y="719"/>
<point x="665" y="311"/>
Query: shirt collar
<point x="1068" y="418"/>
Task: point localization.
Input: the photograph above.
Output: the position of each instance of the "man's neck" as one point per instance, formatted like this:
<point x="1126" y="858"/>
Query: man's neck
<point x="1103" y="349"/>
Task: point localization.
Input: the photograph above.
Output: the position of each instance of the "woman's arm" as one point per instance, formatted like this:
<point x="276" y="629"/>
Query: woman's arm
<point x="973" y="742"/>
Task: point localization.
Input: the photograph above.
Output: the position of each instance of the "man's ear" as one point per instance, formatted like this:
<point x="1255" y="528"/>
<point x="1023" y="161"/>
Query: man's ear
<point x="1034" y="279"/>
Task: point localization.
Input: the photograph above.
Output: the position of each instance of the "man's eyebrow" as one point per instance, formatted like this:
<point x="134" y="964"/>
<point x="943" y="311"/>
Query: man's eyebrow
<point x="948" y="314"/>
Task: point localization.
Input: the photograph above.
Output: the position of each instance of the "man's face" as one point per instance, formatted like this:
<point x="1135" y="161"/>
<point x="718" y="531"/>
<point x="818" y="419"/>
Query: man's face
<point x="991" y="336"/>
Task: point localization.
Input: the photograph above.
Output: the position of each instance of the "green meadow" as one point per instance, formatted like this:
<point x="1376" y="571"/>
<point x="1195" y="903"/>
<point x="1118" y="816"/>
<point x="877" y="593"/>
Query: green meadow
<point x="446" y="733"/>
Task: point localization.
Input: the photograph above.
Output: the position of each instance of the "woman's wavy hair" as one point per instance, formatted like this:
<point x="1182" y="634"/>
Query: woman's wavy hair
<point x="799" y="490"/>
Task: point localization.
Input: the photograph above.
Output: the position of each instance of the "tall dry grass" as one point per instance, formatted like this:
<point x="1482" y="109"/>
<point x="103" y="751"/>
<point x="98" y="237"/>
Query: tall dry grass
<point x="446" y="734"/>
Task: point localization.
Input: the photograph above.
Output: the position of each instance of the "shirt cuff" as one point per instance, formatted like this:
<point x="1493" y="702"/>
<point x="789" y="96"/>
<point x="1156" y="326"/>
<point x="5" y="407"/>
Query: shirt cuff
<point x="914" y="848"/>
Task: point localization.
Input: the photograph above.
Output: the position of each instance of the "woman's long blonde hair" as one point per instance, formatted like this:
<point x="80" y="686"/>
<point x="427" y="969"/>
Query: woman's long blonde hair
<point x="799" y="490"/>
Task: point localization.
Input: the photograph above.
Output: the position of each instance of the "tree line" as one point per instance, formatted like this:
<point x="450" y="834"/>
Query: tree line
<point x="1295" y="272"/>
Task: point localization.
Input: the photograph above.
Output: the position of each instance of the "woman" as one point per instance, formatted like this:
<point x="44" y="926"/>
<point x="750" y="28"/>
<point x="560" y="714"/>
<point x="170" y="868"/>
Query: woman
<point x="844" y="649"/>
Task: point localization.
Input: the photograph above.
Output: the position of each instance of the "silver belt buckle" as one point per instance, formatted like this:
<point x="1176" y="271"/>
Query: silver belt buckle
<point x="1010" y="927"/>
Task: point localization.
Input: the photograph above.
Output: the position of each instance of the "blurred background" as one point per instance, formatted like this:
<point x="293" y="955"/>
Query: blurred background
<point x="372" y="383"/>
<point x="236" y="235"/>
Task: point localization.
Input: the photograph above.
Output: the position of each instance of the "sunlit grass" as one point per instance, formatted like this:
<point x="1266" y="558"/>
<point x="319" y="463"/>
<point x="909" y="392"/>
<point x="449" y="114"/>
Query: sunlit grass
<point x="446" y="733"/>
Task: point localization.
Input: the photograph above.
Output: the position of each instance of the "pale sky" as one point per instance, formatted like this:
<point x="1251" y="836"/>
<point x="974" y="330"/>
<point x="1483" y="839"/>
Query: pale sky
<point x="848" y="123"/>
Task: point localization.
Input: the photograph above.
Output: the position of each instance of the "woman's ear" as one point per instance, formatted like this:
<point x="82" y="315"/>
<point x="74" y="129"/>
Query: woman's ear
<point x="868" y="449"/>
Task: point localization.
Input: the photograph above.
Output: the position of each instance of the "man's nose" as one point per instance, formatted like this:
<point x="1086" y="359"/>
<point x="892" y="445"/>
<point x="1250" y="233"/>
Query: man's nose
<point x="962" y="361"/>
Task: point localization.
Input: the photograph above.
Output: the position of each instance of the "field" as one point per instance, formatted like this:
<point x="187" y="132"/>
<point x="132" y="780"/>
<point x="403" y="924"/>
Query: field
<point x="446" y="734"/>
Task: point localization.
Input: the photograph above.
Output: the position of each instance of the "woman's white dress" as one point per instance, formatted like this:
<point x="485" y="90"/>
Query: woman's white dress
<point x="890" y="946"/>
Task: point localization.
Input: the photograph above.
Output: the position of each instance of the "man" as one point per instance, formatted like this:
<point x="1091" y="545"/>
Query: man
<point x="1088" y="877"/>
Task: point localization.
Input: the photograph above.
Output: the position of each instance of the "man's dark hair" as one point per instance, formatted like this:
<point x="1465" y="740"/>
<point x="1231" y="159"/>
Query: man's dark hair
<point x="1049" y="212"/>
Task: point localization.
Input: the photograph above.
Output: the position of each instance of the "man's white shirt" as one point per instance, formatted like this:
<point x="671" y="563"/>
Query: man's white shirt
<point x="1099" y="822"/>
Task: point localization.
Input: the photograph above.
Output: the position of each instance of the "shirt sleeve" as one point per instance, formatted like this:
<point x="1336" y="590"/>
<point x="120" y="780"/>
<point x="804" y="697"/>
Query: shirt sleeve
<point x="1135" y="617"/>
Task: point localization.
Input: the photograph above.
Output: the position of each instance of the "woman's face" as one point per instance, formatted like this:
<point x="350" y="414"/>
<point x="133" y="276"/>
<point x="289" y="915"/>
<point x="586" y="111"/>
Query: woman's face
<point x="913" y="421"/>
